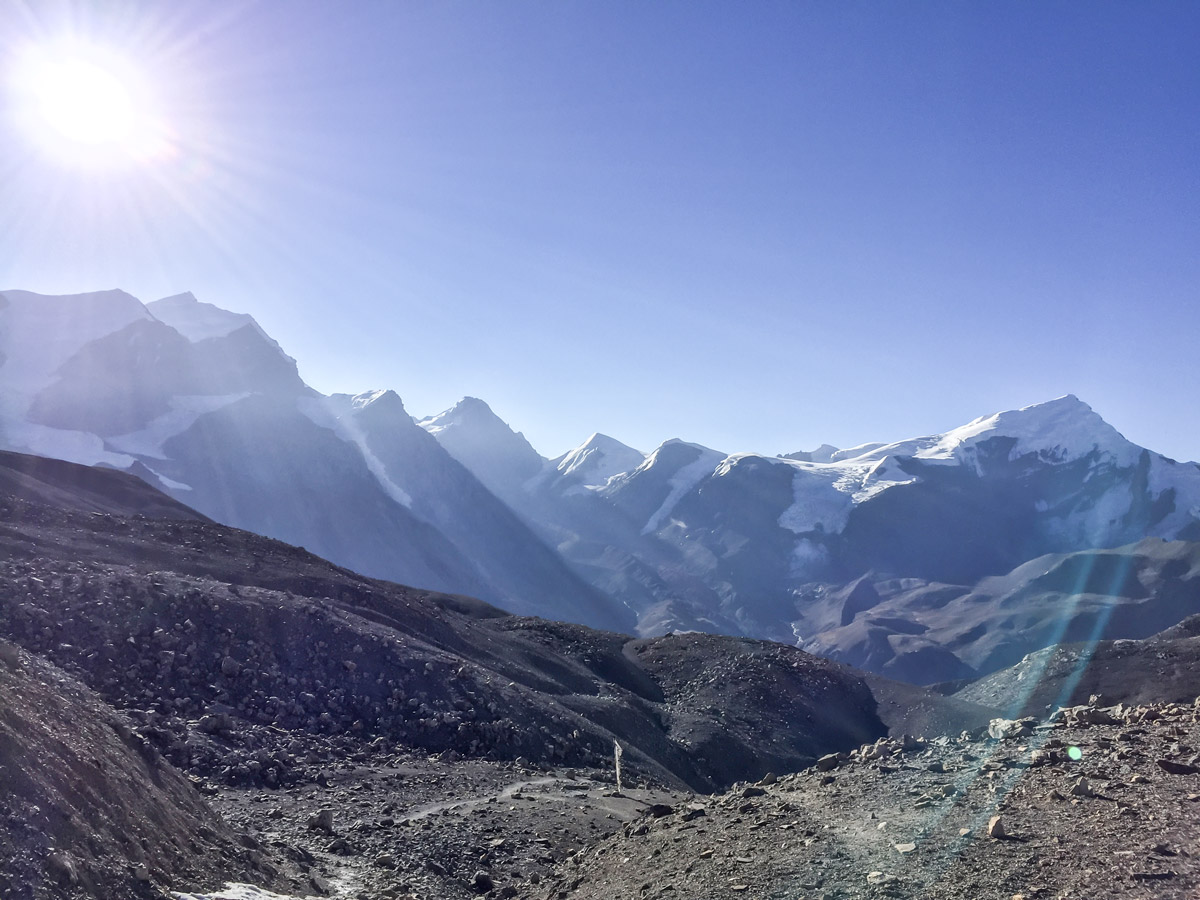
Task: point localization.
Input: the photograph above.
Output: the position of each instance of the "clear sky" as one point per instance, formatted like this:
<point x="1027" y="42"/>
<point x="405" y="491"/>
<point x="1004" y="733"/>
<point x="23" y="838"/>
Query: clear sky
<point x="754" y="225"/>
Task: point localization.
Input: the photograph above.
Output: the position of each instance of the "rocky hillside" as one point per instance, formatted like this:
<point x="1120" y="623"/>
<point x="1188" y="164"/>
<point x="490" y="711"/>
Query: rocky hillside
<point x="1165" y="667"/>
<point x="923" y="631"/>
<point x="89" y="808"/>
<point x="190" y="621"/>
<point x="1100" y="804"/>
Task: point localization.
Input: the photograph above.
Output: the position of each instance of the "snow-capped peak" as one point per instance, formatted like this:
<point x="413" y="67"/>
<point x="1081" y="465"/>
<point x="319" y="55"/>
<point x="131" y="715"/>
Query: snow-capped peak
<point x="479" y="439"/>
<point x="379" y="398"/>
<point x="1057" y="431"/>
<point x="469" y="412"/>
<point x="598" y="459"/>
<point x="198" y="321"/>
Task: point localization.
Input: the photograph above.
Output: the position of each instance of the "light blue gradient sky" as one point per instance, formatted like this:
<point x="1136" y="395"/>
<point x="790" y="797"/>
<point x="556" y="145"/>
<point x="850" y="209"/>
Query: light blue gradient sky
<point x="759" y="226"/>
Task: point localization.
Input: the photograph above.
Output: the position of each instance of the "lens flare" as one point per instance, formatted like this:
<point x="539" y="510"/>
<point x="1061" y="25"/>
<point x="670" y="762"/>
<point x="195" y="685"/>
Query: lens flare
<point x="84" y="105"/>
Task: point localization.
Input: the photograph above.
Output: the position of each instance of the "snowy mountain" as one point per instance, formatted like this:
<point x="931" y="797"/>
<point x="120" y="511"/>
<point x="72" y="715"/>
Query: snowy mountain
<point x="594" y="463"/>
<point x="845" y="551"/>
<point x="800" y="548"/>
<point x="479" y="439"/>
<point x="975" y="501"/>
<point x="203" y="403"/>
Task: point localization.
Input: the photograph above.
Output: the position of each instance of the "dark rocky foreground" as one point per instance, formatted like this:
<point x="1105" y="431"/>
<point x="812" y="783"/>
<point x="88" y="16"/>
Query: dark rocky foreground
<point x="339" y="735"/>
<point x="88" y="809"/>
<point x="263" y="671"/>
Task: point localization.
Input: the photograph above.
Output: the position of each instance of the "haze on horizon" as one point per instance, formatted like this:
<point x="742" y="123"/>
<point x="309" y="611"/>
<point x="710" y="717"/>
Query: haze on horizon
<point x="755" y="226"/>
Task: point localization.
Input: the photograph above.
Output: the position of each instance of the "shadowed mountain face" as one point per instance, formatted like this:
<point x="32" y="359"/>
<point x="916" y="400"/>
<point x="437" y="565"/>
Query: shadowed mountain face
<point x="203" y="404"/>
<point x="923" y="632"/>
<point x="190" y="616"/>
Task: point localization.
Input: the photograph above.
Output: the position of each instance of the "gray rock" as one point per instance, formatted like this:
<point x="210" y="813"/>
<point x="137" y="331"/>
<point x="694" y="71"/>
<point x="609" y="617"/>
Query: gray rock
<point x="827" y="762"/>
<point x="1172" y="767"/>
<point x="61" y="867"/>
<point x="321" y="821"/>
<point x="482" y="882"/>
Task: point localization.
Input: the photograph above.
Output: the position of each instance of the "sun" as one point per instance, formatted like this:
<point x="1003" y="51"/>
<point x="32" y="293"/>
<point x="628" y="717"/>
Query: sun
<point x="83" y="105"/>
<point x="83" y="102"/>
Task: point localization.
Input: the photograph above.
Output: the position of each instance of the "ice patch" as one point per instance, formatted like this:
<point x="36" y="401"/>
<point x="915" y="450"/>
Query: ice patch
<point x="820" y="499"/>
<point x="807" y="556"/>
<point x="184" y="411"/>
<point x="824" y="494"/>
<point x="365" y="399"/>
<point x="73" y="446"/>
<point x="327" y="413"/>
<point x="236" y="891"/>
<point x="168" y="482"/>
<point x="681" y="482"/>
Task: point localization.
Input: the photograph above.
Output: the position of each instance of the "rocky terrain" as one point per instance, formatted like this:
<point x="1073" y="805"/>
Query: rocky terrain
<point x="1165" y="667"/>
<point x="264" y="717"/>
<point x="1100" y="803"/>
<point x="286" y="686"/>
<point x="89" y="809"/>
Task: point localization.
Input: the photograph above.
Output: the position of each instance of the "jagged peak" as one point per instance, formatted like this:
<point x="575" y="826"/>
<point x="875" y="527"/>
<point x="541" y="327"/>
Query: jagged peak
<point x="379" y="399"/>
<point x="469" y="411"/>
<point x="598" y="459"/>
<point x="199" y="321"/>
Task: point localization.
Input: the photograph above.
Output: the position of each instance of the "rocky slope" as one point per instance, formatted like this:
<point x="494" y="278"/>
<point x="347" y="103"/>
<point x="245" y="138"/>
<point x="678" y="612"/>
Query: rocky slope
<point x="1104" y="805"/>
<point x="280" y="681"/>
<point x="370" y="740"/>
<point x="186" y="617"/>
<point x="1163" y="668"/>
<point x="89" y="808"/>
<point x="920" y="631"/>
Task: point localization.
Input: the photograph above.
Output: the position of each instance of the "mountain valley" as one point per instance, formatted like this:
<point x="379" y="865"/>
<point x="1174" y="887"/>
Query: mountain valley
<point x="356" y="653"/>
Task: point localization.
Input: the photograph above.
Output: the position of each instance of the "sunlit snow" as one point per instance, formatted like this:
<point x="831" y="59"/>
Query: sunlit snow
<point x="198" y="321"/>
<point x="682" y="481"/>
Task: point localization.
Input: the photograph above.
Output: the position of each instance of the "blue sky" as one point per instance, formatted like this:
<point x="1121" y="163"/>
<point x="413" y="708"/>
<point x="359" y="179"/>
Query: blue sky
<point x="759" y="226"/>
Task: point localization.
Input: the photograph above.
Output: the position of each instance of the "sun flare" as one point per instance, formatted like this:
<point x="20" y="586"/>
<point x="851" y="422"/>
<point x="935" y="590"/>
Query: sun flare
<point x="83" y="106"/>
<point x="84" y="102"/>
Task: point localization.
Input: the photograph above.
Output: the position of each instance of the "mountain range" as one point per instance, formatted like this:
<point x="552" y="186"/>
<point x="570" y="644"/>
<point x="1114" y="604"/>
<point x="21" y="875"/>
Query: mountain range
<point x="927" y="559"/>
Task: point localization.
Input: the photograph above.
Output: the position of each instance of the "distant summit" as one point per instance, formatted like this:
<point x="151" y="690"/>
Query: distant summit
<point x="597" y="460"/>
<point x="479" y="439"/>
